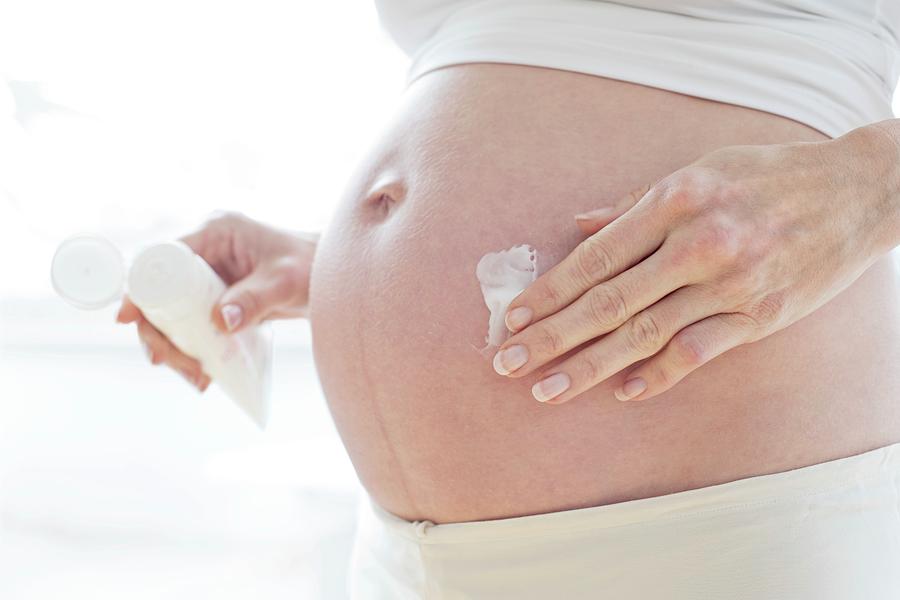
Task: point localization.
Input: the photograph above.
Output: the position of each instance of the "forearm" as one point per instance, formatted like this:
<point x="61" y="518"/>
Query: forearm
<point x="876" y="149"/>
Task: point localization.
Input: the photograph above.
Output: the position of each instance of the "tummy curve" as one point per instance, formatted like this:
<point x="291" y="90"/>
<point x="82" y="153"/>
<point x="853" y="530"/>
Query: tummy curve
<point x="483" y="157"/>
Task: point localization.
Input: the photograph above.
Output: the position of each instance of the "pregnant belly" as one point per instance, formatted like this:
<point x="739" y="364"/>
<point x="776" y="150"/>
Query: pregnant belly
<point x="482" y="157"/>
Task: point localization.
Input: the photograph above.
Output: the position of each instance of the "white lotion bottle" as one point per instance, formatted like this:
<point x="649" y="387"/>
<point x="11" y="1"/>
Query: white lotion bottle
<point x="176" y="291"/>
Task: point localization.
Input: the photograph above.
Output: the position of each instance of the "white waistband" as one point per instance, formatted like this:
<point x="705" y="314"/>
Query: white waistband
<point x="829" y="531"/>
<point x="775" y="488"/>
<point x="826" y="73"/>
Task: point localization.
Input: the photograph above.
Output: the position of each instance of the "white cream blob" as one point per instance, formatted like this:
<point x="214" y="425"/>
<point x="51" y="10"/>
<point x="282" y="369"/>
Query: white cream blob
<point x="503" y="275"/>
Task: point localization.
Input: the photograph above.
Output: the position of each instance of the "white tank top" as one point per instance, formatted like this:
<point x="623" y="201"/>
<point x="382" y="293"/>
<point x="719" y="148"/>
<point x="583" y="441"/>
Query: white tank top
<point x="830" y="64"/>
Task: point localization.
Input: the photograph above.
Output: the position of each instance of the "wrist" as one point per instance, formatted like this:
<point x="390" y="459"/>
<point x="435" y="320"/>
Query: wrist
<point x="873" y="153"/>
<point x="306" y="244"/>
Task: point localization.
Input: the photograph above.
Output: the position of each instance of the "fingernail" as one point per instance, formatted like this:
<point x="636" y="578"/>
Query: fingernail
<point x="551" y="387"/>
<point x="518" y="318"/>
<point x="630" y="389"/>
<point x="232" y="315"/>
<point x="509" y="359"/>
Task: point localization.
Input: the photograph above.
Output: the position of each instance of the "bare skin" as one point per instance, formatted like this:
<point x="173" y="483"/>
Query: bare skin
<point x="728" y="250"/>
<point x="482" y="157"/>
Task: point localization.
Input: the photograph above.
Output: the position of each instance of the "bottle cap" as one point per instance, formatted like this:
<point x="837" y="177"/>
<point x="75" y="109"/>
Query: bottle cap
<point x="88" y="272"/>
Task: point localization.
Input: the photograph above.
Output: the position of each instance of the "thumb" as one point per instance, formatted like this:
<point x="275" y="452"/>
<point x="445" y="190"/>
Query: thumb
<point x="252" y="299"/>
<point x="592" y="221"/>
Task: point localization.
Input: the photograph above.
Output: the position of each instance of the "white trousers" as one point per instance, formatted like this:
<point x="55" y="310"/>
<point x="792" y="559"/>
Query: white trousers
<point x="829" y="531"/>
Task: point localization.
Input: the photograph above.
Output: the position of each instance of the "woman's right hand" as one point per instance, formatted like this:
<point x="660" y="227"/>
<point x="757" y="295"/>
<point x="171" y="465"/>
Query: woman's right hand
<point x="267" y="273"/>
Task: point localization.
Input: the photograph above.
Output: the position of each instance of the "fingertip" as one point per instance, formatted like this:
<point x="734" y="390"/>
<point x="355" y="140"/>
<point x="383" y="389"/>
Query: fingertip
<point x="228" y="317"/>
<point x="631" y="389"/>
<point x="556" y="401"/>
<point x="517" y="318"/>
<point x="128" y="312"/>
<point x="217" y="320"/>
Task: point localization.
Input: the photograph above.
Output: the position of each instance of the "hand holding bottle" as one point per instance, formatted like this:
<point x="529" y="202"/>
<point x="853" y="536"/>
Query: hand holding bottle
<point x="267" y="273"/>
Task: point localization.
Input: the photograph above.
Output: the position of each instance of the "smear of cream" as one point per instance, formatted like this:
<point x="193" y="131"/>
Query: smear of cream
<point x="503" y="275"/>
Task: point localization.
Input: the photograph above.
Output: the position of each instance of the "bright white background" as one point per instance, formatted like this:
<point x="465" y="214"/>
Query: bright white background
<point x="134" y="120"/>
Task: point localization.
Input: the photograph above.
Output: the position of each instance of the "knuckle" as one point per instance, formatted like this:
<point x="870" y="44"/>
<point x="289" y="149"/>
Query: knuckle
<point x="683" y="193"/>
<point x="665" y="376"/>
<point x="146" y="332"/>
<point x="550" y="341"/>
<point x="592" y="369"/>
<point x="688" y="350"/>
<point x="733" y="191"/>
<point x="160" y="354"/>
<point x="549" y="295"/>
<point x="720" y="248"/>
<point x="288" y="274"/>
<point x="606" y="306"/>
<point x="215" y="232"/>
<point x="594" y="260"/>
<point x="768" y="311"/>
<point x="719" y="239"/>
<point x="250" y="302"/>
<point x="733" y="288"/>
<point x="227" y="218"/>
<point x="644" y="332"/>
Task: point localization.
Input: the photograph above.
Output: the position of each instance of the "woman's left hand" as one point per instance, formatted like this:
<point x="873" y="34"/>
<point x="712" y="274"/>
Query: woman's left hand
<point x="723" y="252"/>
